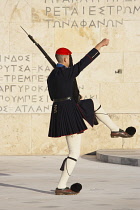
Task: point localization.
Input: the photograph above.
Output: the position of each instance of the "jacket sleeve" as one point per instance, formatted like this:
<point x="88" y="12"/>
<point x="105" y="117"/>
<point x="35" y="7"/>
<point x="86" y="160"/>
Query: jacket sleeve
<point x="83" y="63"/>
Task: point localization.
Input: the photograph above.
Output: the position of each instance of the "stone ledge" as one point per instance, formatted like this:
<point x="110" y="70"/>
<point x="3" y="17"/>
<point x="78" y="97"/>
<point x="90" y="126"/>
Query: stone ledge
<point x="123" y="157"/>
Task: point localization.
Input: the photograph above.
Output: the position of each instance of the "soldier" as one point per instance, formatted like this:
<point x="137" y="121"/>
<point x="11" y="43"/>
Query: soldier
<point x="67" y="114"/>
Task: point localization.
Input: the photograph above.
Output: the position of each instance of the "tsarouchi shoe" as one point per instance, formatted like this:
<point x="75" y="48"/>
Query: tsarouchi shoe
<point x="120" y="133"/>
<point x="66" y="191"/>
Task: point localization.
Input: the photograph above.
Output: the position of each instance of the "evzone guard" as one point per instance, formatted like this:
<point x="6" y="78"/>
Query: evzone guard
<point x="68" y="111"/>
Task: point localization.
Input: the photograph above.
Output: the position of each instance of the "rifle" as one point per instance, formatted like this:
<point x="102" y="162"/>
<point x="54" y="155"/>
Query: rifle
<point x="76" y="94"/>
<point x="41" y="49"/>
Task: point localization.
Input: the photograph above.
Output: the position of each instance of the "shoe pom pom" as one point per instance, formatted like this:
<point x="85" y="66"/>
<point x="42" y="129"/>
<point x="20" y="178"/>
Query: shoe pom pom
<point x="76" y="187"/>
<point x="130" y="130"/>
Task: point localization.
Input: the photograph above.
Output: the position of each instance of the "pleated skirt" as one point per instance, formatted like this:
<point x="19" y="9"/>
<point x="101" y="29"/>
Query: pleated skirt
<point x="86" y="108"/>
<point x="66" y="119"/>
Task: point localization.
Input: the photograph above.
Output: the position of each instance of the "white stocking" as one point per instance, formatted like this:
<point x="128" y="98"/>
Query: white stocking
<point x="103" y="117"/>
<point x="74" y="145"/>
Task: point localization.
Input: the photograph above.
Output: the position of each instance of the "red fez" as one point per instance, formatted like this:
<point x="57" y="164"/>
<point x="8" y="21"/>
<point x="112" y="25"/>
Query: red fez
<point x="63" y="51"/>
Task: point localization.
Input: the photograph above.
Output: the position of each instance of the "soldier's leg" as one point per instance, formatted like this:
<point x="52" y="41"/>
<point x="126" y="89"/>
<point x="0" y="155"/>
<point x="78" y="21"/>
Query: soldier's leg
<point x="103" y="116"/>
<point x="74" y="145"/>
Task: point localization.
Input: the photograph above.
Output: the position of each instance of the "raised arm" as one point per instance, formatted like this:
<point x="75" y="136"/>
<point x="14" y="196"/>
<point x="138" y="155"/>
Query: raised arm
<point x="87" y="59"/>
<point x="103" y="43"/>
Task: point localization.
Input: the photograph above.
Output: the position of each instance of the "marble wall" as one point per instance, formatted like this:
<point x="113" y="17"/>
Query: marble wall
<point x="113" y="78"/>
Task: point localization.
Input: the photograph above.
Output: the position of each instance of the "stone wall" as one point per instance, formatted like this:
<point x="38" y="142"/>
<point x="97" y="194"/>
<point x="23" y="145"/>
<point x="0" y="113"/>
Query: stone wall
<point x="113" y="78"/>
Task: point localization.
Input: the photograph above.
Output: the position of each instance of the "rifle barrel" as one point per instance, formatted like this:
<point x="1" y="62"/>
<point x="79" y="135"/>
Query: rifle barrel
<point x="24" y="30"/>
<point x="41" y="49"/>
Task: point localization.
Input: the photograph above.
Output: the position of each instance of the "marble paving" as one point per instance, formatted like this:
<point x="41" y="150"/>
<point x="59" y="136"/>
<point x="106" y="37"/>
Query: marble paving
<point x="28" y="182"/>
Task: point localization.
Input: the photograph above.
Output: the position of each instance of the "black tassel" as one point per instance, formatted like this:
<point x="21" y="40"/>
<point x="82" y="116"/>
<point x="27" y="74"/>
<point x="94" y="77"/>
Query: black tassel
<point x="76" y="187"/>
<point x="63" y="164"/>
<point x="131" y="130"/>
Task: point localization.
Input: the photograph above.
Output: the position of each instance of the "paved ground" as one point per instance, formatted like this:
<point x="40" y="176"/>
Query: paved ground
<point x="120" y="156"/>
<point x="28" y="182"/>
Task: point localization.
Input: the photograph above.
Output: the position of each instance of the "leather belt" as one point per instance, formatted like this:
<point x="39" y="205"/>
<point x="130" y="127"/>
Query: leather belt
<point x="62" y="99"/>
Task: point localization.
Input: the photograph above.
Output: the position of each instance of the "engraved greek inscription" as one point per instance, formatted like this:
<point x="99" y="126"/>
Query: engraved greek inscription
<point x="4" y="109"/>
<point x="110" y="9"/>
<point x="92" y="24"/>
<point x="7" y="67"/>
<point x="30" y="109"/>
<point x="83" y="10"/>
<point x="110" y="22"/>
<point x="7" y="99"/>
<point x="13" y="67"/>
<point x="65" y="24"/>
<point x="48" y="22"/>
<point x="74" y="24"/>
<point x="127" y="9"/>
<point x="20" y="58"/>
<point x="21" y="68"/>
<point x="119" y="9"/>
<point x="18" y="109"/>
<point x="57" y="23"/>
<point x="27" y="69"/>
<point x="102" y="10"/>
<point x="119" y="22"/>
<point x="34" y="98"/>
<point x="41" y="98"/>
<point x="7" y="58"/>
<point x="83" y="23"/>
<point x="57" y="11"/>
<point x="40" y="68"/>
<point x="26" y="89"/>
<point x="48" y="10"/>
<point x="92" y="10"/>
<point x="101" y="23"/>
<point x="14" y="58"/>
<point x="136" y="9"/>
<point x="65" y="10"/>
<point x="74" y="11"/>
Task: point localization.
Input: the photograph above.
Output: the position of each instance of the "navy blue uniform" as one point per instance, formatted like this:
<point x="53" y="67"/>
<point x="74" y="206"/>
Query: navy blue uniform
<point x="67" y="116"/>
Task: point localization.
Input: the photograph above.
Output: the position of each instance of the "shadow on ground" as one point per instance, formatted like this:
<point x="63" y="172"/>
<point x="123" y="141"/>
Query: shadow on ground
<point x="26" y="188"/>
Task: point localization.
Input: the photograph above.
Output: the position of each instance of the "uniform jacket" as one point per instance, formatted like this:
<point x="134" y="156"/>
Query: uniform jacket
<point x="60" y="85"/>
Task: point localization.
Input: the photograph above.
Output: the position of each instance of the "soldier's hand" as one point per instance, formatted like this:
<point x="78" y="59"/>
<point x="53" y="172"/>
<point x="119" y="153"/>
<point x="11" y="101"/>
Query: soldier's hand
<point x="105" y="42"/>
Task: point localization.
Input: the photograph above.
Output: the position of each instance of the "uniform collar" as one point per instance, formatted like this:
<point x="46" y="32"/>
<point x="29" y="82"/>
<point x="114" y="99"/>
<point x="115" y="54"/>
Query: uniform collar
<point x="60" y="65"/>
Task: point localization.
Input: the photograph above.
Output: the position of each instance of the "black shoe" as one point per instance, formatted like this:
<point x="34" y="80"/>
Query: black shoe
<point x="66" y="191"/>
<point x="120" y="133"/>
